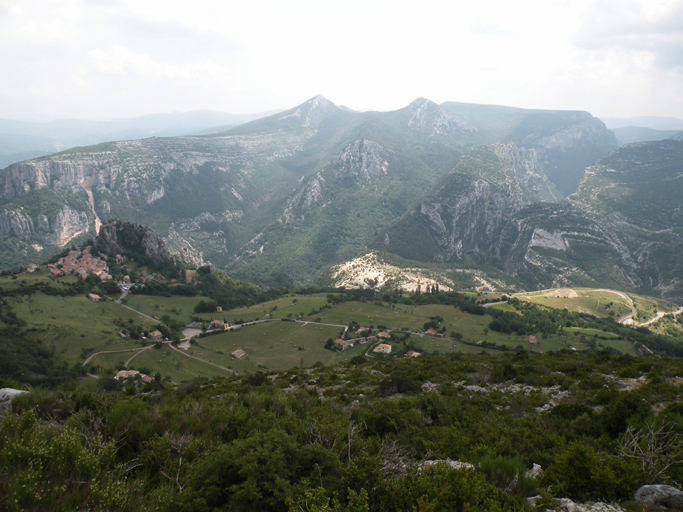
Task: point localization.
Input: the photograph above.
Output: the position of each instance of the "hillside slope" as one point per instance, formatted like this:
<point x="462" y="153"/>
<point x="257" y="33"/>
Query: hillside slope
<point x="282" y="198"/>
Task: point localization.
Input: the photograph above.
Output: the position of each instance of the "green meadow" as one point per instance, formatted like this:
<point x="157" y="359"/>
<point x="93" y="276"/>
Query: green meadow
<point x="77" y="327"/>
<point x="75" y="324"/>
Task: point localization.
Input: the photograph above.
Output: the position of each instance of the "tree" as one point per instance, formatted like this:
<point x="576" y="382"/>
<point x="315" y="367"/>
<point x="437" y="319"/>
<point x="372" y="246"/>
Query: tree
<point x="657" y="448"/>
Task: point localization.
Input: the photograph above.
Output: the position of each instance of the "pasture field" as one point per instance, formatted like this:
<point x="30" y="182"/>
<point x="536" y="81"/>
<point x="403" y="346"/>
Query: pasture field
<point x="598" y="302"/>
<point x="284" y="307"/>
<point x="179" y="308"/>
<point x="13" y="282"/>
<point x="177" y="367"/>
<point x="76" y="327"/>
<point x="73" y="324"/>
<point x="623" y="346"/>
<point x="580" y="300"/>
<point x="109" y="361"/>
<point x="273" y="345"/>
<point x="368" y="314"/>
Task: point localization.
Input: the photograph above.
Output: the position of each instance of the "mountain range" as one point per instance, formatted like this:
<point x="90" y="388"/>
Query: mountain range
<point x="21" y="140"/>
<point x="535" y="197"/>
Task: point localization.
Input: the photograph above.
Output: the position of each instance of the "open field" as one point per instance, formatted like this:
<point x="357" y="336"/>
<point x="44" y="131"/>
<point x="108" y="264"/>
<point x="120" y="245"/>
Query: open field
<point x="284" y="307"/>
<point x="179" y="308"/>
<point x="590" y="332"/>
<point x="76" y="326"/>
<point x="598" y="302"/>
<point x="580" y="300"/>
<point x="177" y="367"/>
<point x="272" y="345"/>
<point x="368" y="314"/>
<point x="73" y="324"/>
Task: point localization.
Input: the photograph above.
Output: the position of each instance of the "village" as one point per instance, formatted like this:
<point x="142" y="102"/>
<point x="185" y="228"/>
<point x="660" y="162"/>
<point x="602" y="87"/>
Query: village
<point x="79" y="263"/>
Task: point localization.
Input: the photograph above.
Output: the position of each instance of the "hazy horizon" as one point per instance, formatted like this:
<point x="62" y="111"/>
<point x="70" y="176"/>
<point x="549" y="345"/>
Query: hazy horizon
<point x="79" y="59"/>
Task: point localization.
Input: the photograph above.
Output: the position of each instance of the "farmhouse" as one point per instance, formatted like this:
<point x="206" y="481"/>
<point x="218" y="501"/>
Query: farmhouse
<point x="93" y="297"/>
<point x="132" y="374"/>
<point x="343" y="344"/>
<point x="238" y="354"/>
<point x="384" y="335"/>
<point x="155" y="335"/>
<point x="412" y="353"/>
<point x="382" y="348"/>
<point x="218" y="324"/>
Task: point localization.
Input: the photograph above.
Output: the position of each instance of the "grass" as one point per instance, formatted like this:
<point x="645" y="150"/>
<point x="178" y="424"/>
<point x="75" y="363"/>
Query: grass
<point x="76" y="326"/>
<point x="73" y="324"/>
<point x="590" y="332"/>
<point x="581" y="300"/>
<point x="177" y="367"/>
<point x="599" y="302"/>
<point x="283" y="307"/>
<point x="271" y="345"/>
<point x="623" y="346"/>
<point x="179" y="308"/>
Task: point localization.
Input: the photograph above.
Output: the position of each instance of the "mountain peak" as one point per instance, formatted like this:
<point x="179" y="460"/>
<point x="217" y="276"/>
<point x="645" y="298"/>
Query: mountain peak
<point x="313" y="111"/>
<point x="431" y="118"/>
<point x="422" y="102"/>
<point x="319" y="101"/>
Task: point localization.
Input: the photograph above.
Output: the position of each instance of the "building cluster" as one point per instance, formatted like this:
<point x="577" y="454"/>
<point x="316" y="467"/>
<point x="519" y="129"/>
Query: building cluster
<point x="81" y="264"/>
<point x="382" y="348"/>
<point x="432" y="332"/>
<point x="133" y="374"/>
<point x="344" y="344"/>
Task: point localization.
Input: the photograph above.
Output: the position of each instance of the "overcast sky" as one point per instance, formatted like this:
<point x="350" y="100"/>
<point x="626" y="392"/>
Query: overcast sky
<point x="103" y="59"/>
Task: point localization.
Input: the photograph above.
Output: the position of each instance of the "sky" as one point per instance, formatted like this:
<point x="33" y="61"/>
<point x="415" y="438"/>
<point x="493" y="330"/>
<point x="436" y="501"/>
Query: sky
<point x="106" y="59"/>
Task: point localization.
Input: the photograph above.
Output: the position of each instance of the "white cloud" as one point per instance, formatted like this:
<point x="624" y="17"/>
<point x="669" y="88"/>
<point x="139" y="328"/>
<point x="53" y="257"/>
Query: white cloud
<point x="130" y="57"/>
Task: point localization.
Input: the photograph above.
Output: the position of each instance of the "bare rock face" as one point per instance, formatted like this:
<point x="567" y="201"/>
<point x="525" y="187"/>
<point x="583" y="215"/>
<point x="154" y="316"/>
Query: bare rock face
<point x="433" y="120"/>
<point x="124" y="238"/>
<point x="57" y="229"/>
<point x="488" y="186"/>
<point x="660" y="496"/>
<point x="364" y="159"/>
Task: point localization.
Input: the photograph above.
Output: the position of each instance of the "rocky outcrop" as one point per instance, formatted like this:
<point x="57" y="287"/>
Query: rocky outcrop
<point x="129" y="239"/>
<point x="363" y="159"/>
<point x="433" y="120"/>
<point x="664" y="497"/>
<point x="567" y="505"/>
<point x="9" y="394"/>
<point x="57" y="229"/>
<point x="311" y="113"/>
<point x="488" y="186"/>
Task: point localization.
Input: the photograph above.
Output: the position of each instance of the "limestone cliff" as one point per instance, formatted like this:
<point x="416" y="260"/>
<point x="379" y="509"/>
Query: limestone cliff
<point x="127" y="239"/>
<point x="57" y="229"/>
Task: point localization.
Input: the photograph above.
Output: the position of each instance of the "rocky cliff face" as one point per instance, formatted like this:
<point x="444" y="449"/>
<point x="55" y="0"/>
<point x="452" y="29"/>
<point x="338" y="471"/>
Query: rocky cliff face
<point x="466" y="211"/>
<point x="568" y="148"/>
<point x="317" y="181"/>
<point x="433" y="120"/>
<point x="58" y="229"/>
<point x="129" y="239"/>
